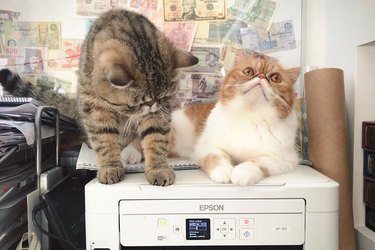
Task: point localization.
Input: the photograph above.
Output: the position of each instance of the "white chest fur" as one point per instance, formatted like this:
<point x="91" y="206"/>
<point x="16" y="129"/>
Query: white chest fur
<point x="246" y="133"/>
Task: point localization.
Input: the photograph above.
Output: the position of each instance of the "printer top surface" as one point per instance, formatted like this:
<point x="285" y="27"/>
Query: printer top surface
<point x="303" y="175"/>
<point x="305" y="182"/>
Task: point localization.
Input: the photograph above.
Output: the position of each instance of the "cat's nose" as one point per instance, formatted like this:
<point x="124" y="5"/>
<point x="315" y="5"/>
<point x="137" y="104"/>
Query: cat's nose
<point x="261" y="76"/>
<point x="154" y="108"/>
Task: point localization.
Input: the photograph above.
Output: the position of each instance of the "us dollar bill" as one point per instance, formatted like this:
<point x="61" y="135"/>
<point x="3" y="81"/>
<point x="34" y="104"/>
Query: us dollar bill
<point x="257" y="13"/>
<point x="279" y="37"/>
<point x="194" y="10"/>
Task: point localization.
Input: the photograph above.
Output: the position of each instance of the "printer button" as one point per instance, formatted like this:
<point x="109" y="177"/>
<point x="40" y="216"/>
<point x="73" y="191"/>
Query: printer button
<point x="177" y="229"/>
<point x="247" y="221"/>
<point x="162" y="222"/>
<point x="247" y="234"/>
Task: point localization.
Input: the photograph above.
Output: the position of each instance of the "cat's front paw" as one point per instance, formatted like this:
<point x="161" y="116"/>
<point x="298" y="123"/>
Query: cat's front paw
<point x="130" y="155"/>
<point x="110" y="175"/>
<point x="221" y="173"/>
<point x="160" y="176"/>
<point x="246" y="173"/>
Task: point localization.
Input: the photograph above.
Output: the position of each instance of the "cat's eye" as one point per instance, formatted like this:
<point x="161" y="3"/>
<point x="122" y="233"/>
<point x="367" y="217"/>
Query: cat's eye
<point x="275" y="77"/>
<point x="249" y="71"/>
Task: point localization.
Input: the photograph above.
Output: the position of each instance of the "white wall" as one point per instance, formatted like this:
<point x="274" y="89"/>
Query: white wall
<point x="334" y="30"/>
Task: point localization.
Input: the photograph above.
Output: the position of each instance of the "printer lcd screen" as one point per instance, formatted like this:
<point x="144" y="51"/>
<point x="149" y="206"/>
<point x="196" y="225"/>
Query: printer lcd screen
<point x="197" y="229"/>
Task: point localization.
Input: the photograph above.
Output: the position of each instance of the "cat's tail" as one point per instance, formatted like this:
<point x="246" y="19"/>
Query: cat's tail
<point x="13" y="84"/>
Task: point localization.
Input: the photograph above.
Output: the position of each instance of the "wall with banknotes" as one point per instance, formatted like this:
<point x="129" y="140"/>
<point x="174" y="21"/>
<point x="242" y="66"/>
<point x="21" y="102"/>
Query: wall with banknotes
<point x="41" y="39"/>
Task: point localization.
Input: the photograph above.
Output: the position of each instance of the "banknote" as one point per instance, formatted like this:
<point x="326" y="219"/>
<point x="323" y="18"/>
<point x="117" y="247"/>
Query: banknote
<point x="50" y="82"/>
<point x="144" y="4"/>
<point x="32" y="34"/>
<point x="226" y="31"/>
<point x="257" y="13"/>
<point x="8" y="15"/>
<point x="196" y="85"/>
<point x="9" y="63"/>
<point x="212" y="33"/>
<point x="91" y="8"/>
<point x="279" y="37"/>
<point x="230" y="54"/>
<point x="208" y="59"/>
<point x="194" y="10"/>
<point x="68" y="57"/>
<point x="14" y="51"/>
<point x="33" y="61"/>
<point x="156" y="17"/>
<point x="181" y="34"/>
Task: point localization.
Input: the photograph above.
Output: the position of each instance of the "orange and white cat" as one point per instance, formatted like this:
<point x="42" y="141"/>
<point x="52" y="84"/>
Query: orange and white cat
<point x="249" y="133"/>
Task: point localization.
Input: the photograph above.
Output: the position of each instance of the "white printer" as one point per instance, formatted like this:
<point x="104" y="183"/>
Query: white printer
<point x="298" y="209"/>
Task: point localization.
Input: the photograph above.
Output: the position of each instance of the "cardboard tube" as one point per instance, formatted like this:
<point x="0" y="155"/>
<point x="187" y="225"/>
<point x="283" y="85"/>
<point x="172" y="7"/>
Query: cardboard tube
<point x="328" y="140"/>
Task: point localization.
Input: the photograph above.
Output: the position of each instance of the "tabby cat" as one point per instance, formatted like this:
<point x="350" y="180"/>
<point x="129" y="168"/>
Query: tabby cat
<point x="249" y="133"/>
<point x="127" y="74"/>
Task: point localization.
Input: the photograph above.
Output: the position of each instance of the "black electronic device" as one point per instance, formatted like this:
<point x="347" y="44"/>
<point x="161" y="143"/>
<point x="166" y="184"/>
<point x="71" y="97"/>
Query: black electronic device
<point x="65" y="210"/>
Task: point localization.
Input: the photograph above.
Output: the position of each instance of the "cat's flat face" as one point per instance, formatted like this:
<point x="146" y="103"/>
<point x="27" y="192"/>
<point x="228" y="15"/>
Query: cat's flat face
<point x="256" y="79"/>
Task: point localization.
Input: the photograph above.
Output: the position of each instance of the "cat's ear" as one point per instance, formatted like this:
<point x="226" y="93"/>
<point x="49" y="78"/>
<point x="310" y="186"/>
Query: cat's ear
<point x="294" y="73"/>
<point x="118" y="76"/>
<point x="184" y="59"/>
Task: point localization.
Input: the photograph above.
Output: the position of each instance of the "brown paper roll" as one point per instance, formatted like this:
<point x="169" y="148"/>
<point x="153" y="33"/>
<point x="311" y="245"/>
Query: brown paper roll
<point x="328" y="140"/>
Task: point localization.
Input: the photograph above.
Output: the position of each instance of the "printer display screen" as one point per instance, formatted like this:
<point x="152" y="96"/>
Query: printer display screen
<point x="197" y="229"/>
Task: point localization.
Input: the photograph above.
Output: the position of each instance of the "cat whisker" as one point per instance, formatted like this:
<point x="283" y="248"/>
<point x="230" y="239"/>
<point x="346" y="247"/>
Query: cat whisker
<point x="232" y="85"/>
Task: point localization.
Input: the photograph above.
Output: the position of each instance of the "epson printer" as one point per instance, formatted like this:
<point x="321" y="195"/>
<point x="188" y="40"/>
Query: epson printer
<point x="298" y="210"/>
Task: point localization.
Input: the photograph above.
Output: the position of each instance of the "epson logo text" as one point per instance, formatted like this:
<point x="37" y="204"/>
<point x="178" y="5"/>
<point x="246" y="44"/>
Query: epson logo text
<point x="211" y="207"/>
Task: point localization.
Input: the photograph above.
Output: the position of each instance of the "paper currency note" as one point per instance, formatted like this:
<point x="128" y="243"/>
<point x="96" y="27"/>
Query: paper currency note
<point x="258" y="13"/>
<point x="9" y="63"/>
<point x="211" y="33"/>
<point x="208" y="59"/>
<point x="91" y="8"/>
<point x="8" y="15"/>
<point x="11" y="50"/>
<point x="146" y="4"/>
<point x="156" y="17"/>
<point x="226" y="31"/>
<point x="50" y="82"/>
<point x="194" y="10"/>
<point x="68" y="57"/>
<point x="34" y="60"/>
<point x="279" y="37"/>
<point x="181" y="34"/>
<point x="204" y="86"/>
<point x="33" y="34"/>
<point x="230" y="54"/>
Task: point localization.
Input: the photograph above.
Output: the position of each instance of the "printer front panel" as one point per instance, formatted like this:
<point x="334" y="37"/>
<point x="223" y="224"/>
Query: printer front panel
<point x="214" y="223"/>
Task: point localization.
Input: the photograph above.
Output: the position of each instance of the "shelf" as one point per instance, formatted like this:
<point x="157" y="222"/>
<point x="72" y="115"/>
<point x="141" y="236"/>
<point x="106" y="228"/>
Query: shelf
<point x="365" y="238"/>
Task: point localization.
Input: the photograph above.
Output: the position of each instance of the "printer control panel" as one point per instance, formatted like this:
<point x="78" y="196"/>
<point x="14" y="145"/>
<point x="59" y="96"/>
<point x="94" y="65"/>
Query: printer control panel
<point x="227" y="223"/>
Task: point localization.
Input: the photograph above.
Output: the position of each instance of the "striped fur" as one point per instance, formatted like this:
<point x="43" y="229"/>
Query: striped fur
<point x="127" y="74"/>
<point x="14" y="84"/>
